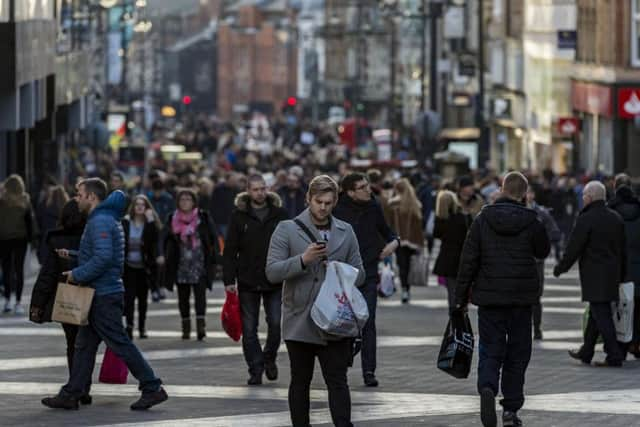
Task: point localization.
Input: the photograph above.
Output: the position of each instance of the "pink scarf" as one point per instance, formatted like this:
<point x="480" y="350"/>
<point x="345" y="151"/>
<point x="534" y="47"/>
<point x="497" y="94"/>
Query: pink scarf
<point x="186" y="226"/>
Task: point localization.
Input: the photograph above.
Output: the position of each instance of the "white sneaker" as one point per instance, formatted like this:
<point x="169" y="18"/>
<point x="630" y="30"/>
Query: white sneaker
<point x="405" y="297"/>
<point x="18" y="309"/>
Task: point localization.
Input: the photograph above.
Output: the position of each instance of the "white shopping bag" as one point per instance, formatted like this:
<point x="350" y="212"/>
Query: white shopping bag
<point x="419" y="269"/>
<point x="387" y="286"/>
<point x="340" y="309"/>
<point x="623" y="313"/>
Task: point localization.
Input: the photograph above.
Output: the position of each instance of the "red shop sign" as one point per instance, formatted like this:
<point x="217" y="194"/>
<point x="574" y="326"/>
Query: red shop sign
<point x="628" y="102"/>
<point x="568" y="125"/>
<point x="591" y="98"/>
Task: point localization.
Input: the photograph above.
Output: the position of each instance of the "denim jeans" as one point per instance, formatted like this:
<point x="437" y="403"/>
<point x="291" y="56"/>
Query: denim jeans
<point x="250" y="309"/>
<point x="505" y="347"/>
<point x="368" y="353"/>
<point x="105" y="324"/>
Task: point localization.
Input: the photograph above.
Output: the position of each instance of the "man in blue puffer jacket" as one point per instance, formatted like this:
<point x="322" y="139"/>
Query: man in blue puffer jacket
<point x="100" y="265"/>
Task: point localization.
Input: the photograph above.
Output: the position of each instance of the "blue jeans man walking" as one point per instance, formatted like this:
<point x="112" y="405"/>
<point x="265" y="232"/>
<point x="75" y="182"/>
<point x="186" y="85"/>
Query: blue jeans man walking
<point x="100" y="265"/>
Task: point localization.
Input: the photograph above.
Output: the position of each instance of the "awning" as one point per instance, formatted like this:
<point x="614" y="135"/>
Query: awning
<point x="460" y="134"/>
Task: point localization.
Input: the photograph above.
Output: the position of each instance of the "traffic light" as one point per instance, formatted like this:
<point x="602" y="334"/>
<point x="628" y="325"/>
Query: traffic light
<point x="292" y="101"/>
<point x="186" y="100"/>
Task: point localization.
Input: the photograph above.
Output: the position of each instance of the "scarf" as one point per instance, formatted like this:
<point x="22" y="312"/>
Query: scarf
<point x="186" y="225"/>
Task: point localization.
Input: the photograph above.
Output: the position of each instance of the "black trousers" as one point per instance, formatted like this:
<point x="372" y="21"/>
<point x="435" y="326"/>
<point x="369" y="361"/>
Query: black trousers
<point x="369" y="335"/>
<point x="504" y="348"/>
<point x="334" y="360"/>
<point x="136" y="286"/>
<point x="600" y="322"/>
<point x="200" y="296"/>
<point x="403" y="258"/>
<point x="636" y="321"/>
<point x="70" y="334"/>
<point x="13" y="253"/>
<point x="537" y="308"/>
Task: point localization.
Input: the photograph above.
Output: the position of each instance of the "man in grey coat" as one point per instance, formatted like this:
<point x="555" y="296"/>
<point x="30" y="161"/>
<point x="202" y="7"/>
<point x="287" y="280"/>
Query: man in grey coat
<point x="300" y="262"/>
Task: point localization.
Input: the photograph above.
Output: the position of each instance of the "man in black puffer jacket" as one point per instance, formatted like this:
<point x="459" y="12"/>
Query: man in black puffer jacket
<point x="627" y="204"/>
<point x="498" y="271"/>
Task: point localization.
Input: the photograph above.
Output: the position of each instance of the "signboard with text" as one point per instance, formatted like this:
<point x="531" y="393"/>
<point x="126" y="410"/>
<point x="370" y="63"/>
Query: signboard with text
<point x="568" y="126"/>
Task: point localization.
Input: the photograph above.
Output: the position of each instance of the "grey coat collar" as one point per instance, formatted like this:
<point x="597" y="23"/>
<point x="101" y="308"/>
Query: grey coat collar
<point x="338" y="229"/>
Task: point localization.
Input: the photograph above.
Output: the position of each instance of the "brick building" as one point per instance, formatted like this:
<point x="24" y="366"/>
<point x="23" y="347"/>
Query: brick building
<point x="257" y="58"/>
<point x="605" y="89"/>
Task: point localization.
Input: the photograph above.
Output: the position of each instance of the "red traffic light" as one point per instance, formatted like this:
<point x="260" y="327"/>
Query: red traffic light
<point x="186" y="100"/>
<point x="291" y="101"/>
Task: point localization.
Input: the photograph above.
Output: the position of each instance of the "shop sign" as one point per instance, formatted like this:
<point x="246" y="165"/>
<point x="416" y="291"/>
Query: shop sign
<point x="568" y="126"/>
<point x="591" y="98"/>
<point x="628" y="102"/>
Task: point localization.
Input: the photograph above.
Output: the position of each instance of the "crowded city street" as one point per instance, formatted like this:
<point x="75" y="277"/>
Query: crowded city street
<point x="372" y="213"/>
<point x="206" y="380"/>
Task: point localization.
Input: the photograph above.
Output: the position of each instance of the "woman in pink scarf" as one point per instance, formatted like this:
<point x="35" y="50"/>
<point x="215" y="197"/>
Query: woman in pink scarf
<point x="191" y="249"/>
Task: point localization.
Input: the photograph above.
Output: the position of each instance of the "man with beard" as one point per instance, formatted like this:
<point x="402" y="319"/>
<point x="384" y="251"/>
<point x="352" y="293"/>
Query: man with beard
<point x="257" y="214"/>
<point x="377" y="241"/>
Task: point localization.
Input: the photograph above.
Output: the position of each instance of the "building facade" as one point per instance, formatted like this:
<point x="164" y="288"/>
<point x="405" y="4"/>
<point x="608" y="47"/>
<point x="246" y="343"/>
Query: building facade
<point x="605" y="88"/>
<point x="44" y="79"/>
<point x="257" y="58"/>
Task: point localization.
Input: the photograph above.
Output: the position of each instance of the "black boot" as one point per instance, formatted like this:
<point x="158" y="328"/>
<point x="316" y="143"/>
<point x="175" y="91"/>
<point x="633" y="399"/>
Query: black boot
<point x="60" y="402"/>
<point x="129" y="330"/>
<point x="186" y="328"/>
<point x="200" y="326"/>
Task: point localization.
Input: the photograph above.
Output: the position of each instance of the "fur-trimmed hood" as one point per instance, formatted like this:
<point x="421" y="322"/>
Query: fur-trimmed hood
<point x="243" y="200"/>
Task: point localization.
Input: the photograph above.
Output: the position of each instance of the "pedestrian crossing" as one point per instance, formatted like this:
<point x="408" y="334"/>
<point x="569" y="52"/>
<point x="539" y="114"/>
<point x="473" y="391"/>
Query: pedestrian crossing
<point x="561" y="303"/>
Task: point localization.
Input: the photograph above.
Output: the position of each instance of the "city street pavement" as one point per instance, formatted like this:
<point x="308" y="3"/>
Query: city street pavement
<point x="206" y="380"/>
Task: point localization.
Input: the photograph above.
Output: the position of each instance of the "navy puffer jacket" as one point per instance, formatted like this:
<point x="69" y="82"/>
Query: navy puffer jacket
<point x="101" y="255"/>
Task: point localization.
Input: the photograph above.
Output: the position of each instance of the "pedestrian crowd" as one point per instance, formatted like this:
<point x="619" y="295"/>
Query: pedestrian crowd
<point x="270" y="236"/>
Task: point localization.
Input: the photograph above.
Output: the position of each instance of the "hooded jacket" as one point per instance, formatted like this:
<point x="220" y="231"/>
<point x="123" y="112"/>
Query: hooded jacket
<point x="628" y="206"/>
<point x="372" y="231"/>
<point x="498" y="263"/>
<point x="101" y="254"/>
<point x="247" y="244"/>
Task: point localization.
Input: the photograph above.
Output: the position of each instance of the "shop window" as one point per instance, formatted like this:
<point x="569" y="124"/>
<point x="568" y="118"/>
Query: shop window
<point x="635" y="33"/>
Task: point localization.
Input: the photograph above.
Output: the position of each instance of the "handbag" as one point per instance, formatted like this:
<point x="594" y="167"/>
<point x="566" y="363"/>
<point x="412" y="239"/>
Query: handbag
<point x="113" y="369"/>
<point x="456" y="351"/>
<point x="623" y="312"/>
<point x="230" y="316"/>
<point x="72" y="304"/>
<point x="418" y="269"/>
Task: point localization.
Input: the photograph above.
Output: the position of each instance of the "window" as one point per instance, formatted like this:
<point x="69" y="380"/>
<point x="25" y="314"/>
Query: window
<point x="635" y="33"/>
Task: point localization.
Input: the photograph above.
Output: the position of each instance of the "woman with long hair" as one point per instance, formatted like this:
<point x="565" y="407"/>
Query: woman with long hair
<point x="406" y="215"/>
<point x="62" y="245"/>
<point x="451" y="226"/>
<point x="17" y="229"/>
<point x="191" y="252"/>
<point x="141" y="227"/>
<point x="48" y="215"/>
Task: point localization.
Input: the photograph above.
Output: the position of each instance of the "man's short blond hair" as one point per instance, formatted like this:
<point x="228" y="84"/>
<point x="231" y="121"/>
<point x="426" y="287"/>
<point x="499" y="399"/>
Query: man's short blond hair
<point x="322" y="184"/>
<point x="515" y="185"/>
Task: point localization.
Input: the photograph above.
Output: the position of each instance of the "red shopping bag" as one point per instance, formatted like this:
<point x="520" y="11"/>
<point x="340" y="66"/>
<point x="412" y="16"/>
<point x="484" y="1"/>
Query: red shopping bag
<point x="113" y="370"/>
<point x="230" y="316"/>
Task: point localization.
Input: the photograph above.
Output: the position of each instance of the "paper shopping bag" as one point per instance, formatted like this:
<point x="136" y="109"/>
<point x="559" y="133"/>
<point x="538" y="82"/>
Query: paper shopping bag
<point x="72" y="304"/>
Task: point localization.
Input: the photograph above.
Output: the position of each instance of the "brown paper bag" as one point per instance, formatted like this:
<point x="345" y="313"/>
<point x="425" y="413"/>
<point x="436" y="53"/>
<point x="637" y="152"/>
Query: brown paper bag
<point x="72" y="304"/>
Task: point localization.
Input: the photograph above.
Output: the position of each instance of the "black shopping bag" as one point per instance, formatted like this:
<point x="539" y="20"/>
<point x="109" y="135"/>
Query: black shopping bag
<point x="456" y="351"/>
